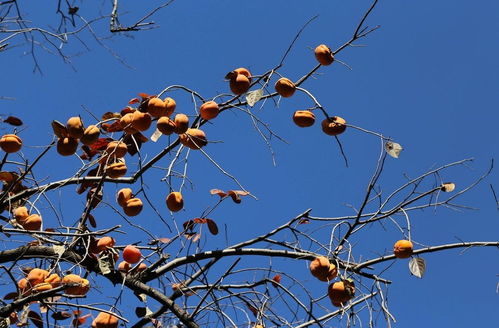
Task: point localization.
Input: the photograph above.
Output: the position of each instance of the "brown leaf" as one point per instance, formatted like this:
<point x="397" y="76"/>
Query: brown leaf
<point x="133" y="142"/>
<point x="87" y="184"/>
<point x="145" y="95"/>
<point x="36" y="319"/>
<point x="61" y="315"/>
<point x="235" y="197"/>
<point x="218" y="192"/>
<point x="11" y="296"/>
<point x="8" y="176"/>
<point x="212" y="226"/>
<point x="188" y="225"/>
<point x="133" y="101"/>
<point x="91" y="220"/>
<point x="95" y="200"/>
<point x="159" y="240"/>
<point x="59" y="129"/>
<point x="199" y="220"/>
<point x="79" y="321"/>
<point x="253" y="309"/>
<point x="12" y="120"/>
<point x="114" y="127"/>
<point x="277" y="279"/>
<point x="304" y="221"/>
<point x="110" y="115"/>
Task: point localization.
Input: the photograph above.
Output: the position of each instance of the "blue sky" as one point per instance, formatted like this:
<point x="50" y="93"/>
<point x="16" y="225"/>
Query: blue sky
<point x="428" y="78"/>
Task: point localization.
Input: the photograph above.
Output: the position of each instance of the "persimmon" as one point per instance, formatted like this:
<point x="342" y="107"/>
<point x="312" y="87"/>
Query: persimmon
<point x="209" y="110"/>
<point x="243" y="71"/>
<point x="304" y="118"/>
<point x="24" y="287"/>
<point x="116" y="148"/>
<point x="20" y="214"/>
<point x="32" y="222"/>
<point x="285" y="87"/>
<point x="156" y="107"/>
<point x="170" y="105"/>
<point x="141" y="121"/>
<point x="166" y="125"/>
<point x="132" y="254"/>
<point x="10" y="143"/>
<point x="333" y="125"/>
<point x="37" y="276"/>
<point x="123" y="196"/>
<point x="142" y="266"/>
<point x="105" y="320"/>
<point x="403" y="249"/>
<point x="104" y="243"/>
<point x="79" y="290"/>
<point x="90" y="135"/>
<point x="239" y="83"/>
<point x="124" y="266"/>
<point x="116" y="170"/>
<point x="74" y="126"/>
<point x="181" y="123"/>
<point x="175" y="201"/>
<point x="341" y="292"/>
<point x="133" y="207"/>
<point x="67" y="146"/>
<point x="126" y="122"/>
<point x="53" y="280"/>
<point x="193" y="139"/>
<point x="322" y="269"/>
<point x="324" y="55"/>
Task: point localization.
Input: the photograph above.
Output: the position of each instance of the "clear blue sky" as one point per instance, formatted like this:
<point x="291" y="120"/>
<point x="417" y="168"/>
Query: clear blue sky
<point x="429" y="78"/>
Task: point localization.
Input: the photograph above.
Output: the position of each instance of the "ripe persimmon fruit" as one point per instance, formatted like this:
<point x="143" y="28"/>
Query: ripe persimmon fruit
<point x="304" y="118"/>
<point x="90" y="135"/>
<point x="322" y="269"/>
<point x="181" y="123"/>
<point x="156" y="107"/>
<point x="324" y="55"/>
<point x="20" y="214"/>
<point x="116" y="148"/>
<point x="126" y="123"/>
<point x="104" y="243"/>
<point x="133" y="207"/>
<point x="170" y="105"/>
<point x="239" y="83"/>
<point x="285" y="87"/>
<point x="341" y="292"/>
<point x="67" y="146"/>
<point x="175" y="201"/>
<point x="403" y="249"/>
<point x="37" y="276"/>
<point x="132" y="254"/>
<point x="10" y="143"/>
<point x="141" y="121"/>
<point x="32" y="222"/>
<point x="116" y="170"/>
<point x="193" y="139"/>
<point x="79" y="290"/>
<point x="74" y="126"/>
<point x="333" y="125"/>
<point x="123" y="196"/>
<point x="166" y="125"/>
<point x="209" y="110"/>
<point x="105" y="320"/>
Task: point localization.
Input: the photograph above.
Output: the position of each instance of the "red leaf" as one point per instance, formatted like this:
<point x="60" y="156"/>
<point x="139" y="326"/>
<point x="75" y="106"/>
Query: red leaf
<point x="115" y="127"/>
<point x="78" y="321"/>
<point x="12" y="120"/>
<point x="10" y="296"/>
<point x="199" y="220"/>
<point x="87" y="184"/>
<point x="100" y="144"/>
<point x="212" y="226"/>
<point x="277" y="279"/>
<point x="127" y="110"/>
<point x="144" y="95"/>
<point x="36" y="319"/>
<point x="133" y="101"/>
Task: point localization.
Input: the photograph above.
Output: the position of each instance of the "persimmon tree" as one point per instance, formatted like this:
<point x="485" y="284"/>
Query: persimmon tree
<point x="179" y="271"/>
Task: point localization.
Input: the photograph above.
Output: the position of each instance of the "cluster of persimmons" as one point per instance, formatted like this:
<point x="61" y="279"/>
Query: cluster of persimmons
<point x="132" y="121"/>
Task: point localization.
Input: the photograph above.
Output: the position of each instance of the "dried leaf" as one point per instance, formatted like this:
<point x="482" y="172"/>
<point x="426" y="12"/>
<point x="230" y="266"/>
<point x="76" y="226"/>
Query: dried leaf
<point x="12" y="120"/>
<point x="277" y="279"/>
<point x="58" y="249"/>
<point x="235" y="195"/>
<point x="8" y="176"/>
<point x="304" y="221"/>
<point x="448" y="187"/>
<point x="156" y="135"/>
<point x="133" y="101"/>
<point x="110" y="115"/>
<point x="59" y="129"/>
<point x="36" y="319"/>
<point x="94" y="197"/>
<point x="188" y="225"/>
<point x="61" y="315"/>
<point x="253" y="96"/>
<point x="114" y="127"/>
<point x="417" y="266"/>
<point x="218" y="192"/>
<point x="212" y="226"/>
<point x="91" y="220"/>
<point x="11" y="296"/>
<point x="393" y="149"/>
<point x="159" y="240"/>
<point x="79" y="321"/>
<point x="145" y="95"/>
